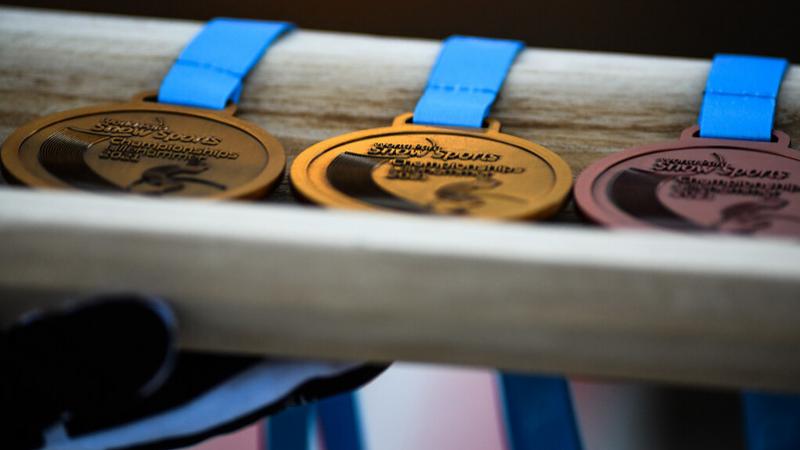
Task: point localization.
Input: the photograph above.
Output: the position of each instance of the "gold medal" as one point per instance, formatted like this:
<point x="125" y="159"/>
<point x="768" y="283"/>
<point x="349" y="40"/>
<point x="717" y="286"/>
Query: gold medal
<point x="433" y="169"/>
<point x="147" y="148"/>
<point x="152" y="145"/>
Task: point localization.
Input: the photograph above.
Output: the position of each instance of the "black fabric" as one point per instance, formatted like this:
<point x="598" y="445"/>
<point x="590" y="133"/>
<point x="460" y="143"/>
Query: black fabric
<point x="111" y="361"/>
<point x="310" y="391"/>
<point x="194" y="374"/>
<point x="96" y="356"/>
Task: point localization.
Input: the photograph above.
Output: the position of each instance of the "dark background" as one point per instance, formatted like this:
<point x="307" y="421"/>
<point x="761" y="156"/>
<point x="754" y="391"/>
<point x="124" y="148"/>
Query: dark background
<point x="700" y="28"/>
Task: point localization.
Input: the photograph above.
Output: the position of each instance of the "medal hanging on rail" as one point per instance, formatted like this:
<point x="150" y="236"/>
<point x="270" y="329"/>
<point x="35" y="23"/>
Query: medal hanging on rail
<point x="182" y="141"/>
<point x="446" y="157"/>
<point x="732" y="173"/>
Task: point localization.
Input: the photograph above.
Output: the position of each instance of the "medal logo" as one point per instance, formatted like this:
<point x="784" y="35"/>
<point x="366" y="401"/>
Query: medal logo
<point x="145" y="148"/>
<point x="427" y="169"/>
<point x="63" y="154"/>
<point x="696" y="184"/>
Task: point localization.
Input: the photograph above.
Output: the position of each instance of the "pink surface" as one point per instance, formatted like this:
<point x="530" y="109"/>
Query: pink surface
<point x="424" y="407"/>
<point x="248" y="438"/>
<point x="410" y="406"/>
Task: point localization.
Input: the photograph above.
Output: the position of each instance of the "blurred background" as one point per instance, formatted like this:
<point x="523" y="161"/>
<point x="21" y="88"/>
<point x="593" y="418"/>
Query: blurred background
<point x="433" y="407"/>
<point x="678" y="27"/>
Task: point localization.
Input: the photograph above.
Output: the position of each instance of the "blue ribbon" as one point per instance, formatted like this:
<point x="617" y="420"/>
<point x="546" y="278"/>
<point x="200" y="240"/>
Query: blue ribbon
<point x="739" y="103"/>
<point x="340" y="420"/>
<point x="538" y="413"/>
<point x="772" y="421"/>
<point x="338" y="417"/>
<point x="290" y="429"/>
<point x="209" y="71"/>
<point x="465" y="81"/>
<point x="462" y="87"/>
<point x="740" y="98"/>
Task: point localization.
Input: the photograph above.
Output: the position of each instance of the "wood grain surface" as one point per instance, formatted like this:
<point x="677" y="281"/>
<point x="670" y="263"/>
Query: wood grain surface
<point x="315" y="85"/>
<point x="310" y="282"/>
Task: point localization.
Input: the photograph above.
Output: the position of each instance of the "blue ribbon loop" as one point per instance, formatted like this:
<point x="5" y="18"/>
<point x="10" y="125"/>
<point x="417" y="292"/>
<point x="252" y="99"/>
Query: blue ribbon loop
<point x="289" y="429"/>
<point x="209" y="71"/>
<point x="538" y="413"/>
<point x="740" y="98"/>
<point x="465" y="81"/>
<point x="341" y="423"/>
<point x="772" y="421"/>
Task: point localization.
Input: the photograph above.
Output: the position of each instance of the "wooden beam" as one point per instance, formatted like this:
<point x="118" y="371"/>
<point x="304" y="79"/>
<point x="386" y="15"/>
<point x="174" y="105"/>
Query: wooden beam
<point x="308" y="282"/>
<point x="314" y="85"/>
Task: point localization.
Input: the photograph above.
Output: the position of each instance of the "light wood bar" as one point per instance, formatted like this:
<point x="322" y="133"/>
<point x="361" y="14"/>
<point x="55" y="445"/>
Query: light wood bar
<point x="309" y="282"/>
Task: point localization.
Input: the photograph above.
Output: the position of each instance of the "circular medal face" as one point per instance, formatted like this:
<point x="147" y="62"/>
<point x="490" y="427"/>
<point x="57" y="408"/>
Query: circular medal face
<point x="697" y="184"/>
<point x="145" y="148"/>
<point x="432" y="169"/>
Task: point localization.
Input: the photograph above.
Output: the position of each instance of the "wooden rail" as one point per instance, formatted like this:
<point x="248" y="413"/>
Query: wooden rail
<point x="261" y="277"/>
<point x="309" y="282"/>
<point x="314" y="85"/>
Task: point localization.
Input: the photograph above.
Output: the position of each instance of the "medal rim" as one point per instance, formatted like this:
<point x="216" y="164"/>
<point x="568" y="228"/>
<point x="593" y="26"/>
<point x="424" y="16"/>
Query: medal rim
<point x="303" y="186"/>
<point x="259" y="186"/>
<point x="583" y="190"/>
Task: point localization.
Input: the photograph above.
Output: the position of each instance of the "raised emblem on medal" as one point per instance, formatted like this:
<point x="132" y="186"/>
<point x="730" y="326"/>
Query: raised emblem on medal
<point x="697" y="184"/>
<point x="433" y="169"/>
<point x="145" y="147"/>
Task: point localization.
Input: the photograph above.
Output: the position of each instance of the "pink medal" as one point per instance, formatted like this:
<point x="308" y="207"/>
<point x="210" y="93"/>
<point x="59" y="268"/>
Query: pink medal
<point x="732" y="173"/>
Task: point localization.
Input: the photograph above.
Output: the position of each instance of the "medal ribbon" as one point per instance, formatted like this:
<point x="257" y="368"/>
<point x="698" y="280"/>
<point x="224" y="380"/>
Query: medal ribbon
<point x="740" y="98"/>
<point x="209" y="71"/>
<point x="739" y="103"/>
<point x="538" y="412"/>
<point x="465" y="81"/>
<point x="772" y="421"/>
<point x="462" y="87"/>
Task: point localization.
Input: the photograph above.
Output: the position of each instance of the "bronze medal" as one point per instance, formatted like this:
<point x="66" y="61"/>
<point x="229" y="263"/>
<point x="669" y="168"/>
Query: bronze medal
<point x="432" y="169"/>
<point x="697" y="184"/>
<point x="147" y="148"/>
